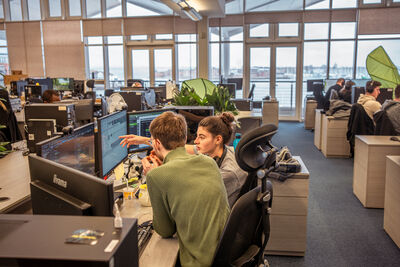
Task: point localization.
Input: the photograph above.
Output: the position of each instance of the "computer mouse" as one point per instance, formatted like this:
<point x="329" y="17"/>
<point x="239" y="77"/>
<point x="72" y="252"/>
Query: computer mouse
<point x="395" y="138"/>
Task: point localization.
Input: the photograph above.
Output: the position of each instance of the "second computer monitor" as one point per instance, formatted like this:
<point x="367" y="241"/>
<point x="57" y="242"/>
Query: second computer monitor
<point x="109" y="153"/>
<point x="63" y="84"/>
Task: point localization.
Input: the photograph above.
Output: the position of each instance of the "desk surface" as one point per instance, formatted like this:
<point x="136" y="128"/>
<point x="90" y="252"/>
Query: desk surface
<point x="395" y="159"/>
<point x="246" y="114"/>
<point x="14" y="180"/>
<point x="377" y="140"/>
<point x="303" y="174"/>
<point x="159" y="251"/>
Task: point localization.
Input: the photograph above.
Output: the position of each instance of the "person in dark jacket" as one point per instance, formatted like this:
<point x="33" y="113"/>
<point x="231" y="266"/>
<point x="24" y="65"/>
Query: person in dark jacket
<point x="339" y="85"/>
<point x="345" y="93"/>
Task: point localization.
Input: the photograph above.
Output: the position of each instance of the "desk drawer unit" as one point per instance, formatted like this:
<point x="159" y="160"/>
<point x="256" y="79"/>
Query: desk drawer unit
<point x="333" y="139"/>
<point x="289" y="216"/>
<point x="309" y="116"/>
<point x="318" y="128"/>
<point x="391" y="218"/>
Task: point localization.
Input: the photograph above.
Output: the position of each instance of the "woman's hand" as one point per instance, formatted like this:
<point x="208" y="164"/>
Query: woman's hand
<point x="150" y="162"/>
<point x="132" y="139"/>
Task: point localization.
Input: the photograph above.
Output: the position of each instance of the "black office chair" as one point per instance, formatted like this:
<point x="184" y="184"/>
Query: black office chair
<point x="359" y="123"/>
<point x="247" y="230"/>
<point x="383" y="124"/>
<point x="108" y="92"/>
<point x="90" y="84"/>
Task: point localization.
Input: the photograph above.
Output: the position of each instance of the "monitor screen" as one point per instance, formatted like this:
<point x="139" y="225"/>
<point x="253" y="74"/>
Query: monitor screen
<point x="75" y="150"/>
<point x="108" y="150"/>
<point x="63" y="84"/>
<point x="310" y="84"/>
<point x="60" y="190"/>
<point x="139" y="124"/>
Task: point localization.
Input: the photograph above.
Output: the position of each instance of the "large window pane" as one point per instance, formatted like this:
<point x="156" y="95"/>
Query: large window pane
<point x="95" y="40"/>
<point x="187" y="61"/>
<point x="214" y="34"/>
<point x="234" y="7"/>
<point x="93" y="8"/>
<point x="147" y="8"/>
<point x="141" y="64"/>
<point x="315" y="31"/>
<point x="343" y="30"/>
<point x="312" y="4"/>
<point x="15" y="10"/>
<point x="341" y="60"/>
<point x="4" y="66"/>
<point x="288" y="29"/>
<point x="166" y="36"/>
<point x="232" y="33"/>
<point x="214" y="62"/>
<point x="162" y="65"/>
<point x="3" y="39"/>
<point x="96" y="69"/>
<point x="113" y="8"/>
<point x="1" y="10"/>
<point x="74" y="8"/>
<point x="114" y="40"/>
<point x="186" y="37"/>
<point x="392" y="48"/>
<point x="55" y="8"/>
<point x="372" y="1"/>
<point x="344" y="3"/>
<point x="116" y="65"/>
<point x="139" y="37"/>
<point x="260" y="71"/>
<point x="232" y="61"/>
<point x="268" y="5"/>
<point x="34" y="9"/>
<point x="286" y="64"/>
<point x="259" y="30"/>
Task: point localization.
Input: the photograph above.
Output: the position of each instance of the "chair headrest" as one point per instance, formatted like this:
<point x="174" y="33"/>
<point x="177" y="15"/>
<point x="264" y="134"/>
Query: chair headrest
<point x="248" y="156"/>
<point x="90" y="83"/>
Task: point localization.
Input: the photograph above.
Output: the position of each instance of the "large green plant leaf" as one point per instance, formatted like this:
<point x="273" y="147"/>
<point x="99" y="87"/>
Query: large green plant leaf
<point x="381" y="68"/>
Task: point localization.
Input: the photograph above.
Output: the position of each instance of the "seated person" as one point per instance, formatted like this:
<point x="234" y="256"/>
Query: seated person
<point x="368" y="101"/>
<point x="345" y="93"/>
<point x="213" y="134"/>
<point x="392" y="108"/>
<point x="50" y="96"/>
<point x="336" y="88"/>
<point x="186" y="192"/>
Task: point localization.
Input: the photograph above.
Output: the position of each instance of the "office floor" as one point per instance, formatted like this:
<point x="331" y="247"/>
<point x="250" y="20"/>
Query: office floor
<point x="340" y="231"/>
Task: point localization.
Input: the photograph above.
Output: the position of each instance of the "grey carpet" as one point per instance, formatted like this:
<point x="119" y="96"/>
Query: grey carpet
<point x="340" y="231"/>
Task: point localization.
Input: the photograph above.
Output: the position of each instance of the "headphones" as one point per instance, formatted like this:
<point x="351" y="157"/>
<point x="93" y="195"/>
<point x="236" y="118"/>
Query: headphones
<point x="219" y="160"/>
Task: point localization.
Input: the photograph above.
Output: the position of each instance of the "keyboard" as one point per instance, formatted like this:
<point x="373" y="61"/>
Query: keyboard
<point x="145" y="230"/>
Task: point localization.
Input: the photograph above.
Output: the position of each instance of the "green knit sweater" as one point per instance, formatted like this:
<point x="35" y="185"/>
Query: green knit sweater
<point x="189" y="198"/>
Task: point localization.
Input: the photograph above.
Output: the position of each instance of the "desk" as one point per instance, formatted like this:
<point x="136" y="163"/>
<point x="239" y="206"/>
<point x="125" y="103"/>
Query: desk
<point x="14" y="180"/>
<point x="159" y="251"/>
<point x="309" y="116"/>
<point x="318" y="128"/>
<point x="289" y="215"/>
<point x="20" y="116"/>
<point x="333" y="137"/>
<point x="270" y="112"/>
<point x="246" y="114"/>
<point x="391" y="217"/>
<point x="370" y="153"/>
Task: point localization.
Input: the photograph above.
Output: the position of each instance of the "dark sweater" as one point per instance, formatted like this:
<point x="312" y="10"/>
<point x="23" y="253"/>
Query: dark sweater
<point x="189" y="198"/>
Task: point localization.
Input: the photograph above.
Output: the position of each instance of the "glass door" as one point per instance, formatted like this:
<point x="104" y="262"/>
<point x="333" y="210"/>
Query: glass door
<point x="153" y="65"/>
<point x="273" y="72"/>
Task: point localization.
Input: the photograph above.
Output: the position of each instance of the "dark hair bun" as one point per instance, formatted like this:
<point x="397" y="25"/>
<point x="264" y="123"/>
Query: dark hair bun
<point x="227" y="118"/>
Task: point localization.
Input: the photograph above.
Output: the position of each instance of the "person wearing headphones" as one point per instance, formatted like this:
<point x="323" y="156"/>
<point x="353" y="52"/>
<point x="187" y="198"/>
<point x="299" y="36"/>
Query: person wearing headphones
<point x="213" y="135"/>
<point x="368" y="100"/>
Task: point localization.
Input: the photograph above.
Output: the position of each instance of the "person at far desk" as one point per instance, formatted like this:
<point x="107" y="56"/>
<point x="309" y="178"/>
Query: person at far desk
<point x="50" y="96"/>
<point x="392" y="108"/>
<point x="368" y="101"/>
<point x="186" y="192"/>
<point x="339" y="85"/>
<point x="345" y="93"/>
<point x="213" y="135"/>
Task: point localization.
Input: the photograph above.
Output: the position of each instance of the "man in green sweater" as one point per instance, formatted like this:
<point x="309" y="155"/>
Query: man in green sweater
<point x="186" y="192"/>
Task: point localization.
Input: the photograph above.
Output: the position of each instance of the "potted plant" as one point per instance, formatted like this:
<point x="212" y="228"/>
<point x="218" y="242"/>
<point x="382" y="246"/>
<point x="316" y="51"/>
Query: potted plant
<point x="3" y="150"/>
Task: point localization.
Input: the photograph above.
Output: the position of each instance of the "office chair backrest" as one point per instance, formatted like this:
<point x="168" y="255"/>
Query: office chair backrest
<point x="241" y="240"/>
<point x="130" y="82"/>
<point x="383" y="124"/>
<point x="251" y="93"/>
<point x="90" y="83"/>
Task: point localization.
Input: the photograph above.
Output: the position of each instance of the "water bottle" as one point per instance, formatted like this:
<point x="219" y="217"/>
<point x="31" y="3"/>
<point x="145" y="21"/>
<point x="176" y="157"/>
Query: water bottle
<point x="237" y="139"/>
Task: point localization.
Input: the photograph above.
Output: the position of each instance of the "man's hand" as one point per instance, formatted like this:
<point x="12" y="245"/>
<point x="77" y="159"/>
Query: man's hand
<point x="150" y="162"/>
<point x="132" y="139"/>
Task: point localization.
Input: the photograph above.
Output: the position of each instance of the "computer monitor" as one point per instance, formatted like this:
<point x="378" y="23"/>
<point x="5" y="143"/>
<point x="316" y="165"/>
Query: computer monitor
<point x="356" y="92"/>
<point x="134" y="99"/>
<point x="231" y="88"/>
<point x="385" y="94"/>
<point x="360" y="82"/>
<point x="75" y="150"/>
<point x="57" y="189"/>
<point x="63" y="84"/>
<point x="310" y="84"/>
<point x="79" y="86"/>
<point x="238" y="81"/>
<point x="109" y="153"/>
<point x="84" y="109"/>
<point x="17" y="87"/>
<point x="34" y="91"/>
<point x="62" y="113"/>
<point x="251" y="93"/>
<point x="329" y="83"/>
<point x="46" y="83"/>
<point x="139" y="124"/>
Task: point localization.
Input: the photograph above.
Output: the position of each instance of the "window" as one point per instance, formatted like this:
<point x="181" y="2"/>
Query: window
<point x="95" y="40"/>
<point x="372" y="1"/>
<point x="344" y="3"/>
<point x="272" y="5"/>
<point x="288" y="29"/>
<point x="95" y="57"/>
<point x="147" y="8"/>
<point x="74" y="8"/>
<point x="214" y="34"/>
<point x="187" y="61"/>
<point x="316" y="31"/>
<point x="378" y="36"/>
<point x="312" y="4"/>
<point x="315" y="60"/>
<point x="55" y="8"/>
<point x="186" y="38"/>
<point x="4" y="65"/>
<point x="259" y="30"/>
<point x="138" y="37"/>
<point x="15" y="10"/>
<point x="162" y="65"/>
<point x="341" y="59"/>
<point x="234" y="7"/>
<point x="232" y="53"/>
<point x="34" y="9"/>
<point x="214" y="62"/>
<point x="93" y="9"/>
<point x="116" y="76"/>
<point x="113" y="8"/>
<point x="115" y="40"/>
<point x="392" y="48"/>
<point x="1" y="10"/>
<point x="167" y="36"/>
<point x="232" y="33"/>
<point x="343" y="30"/>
